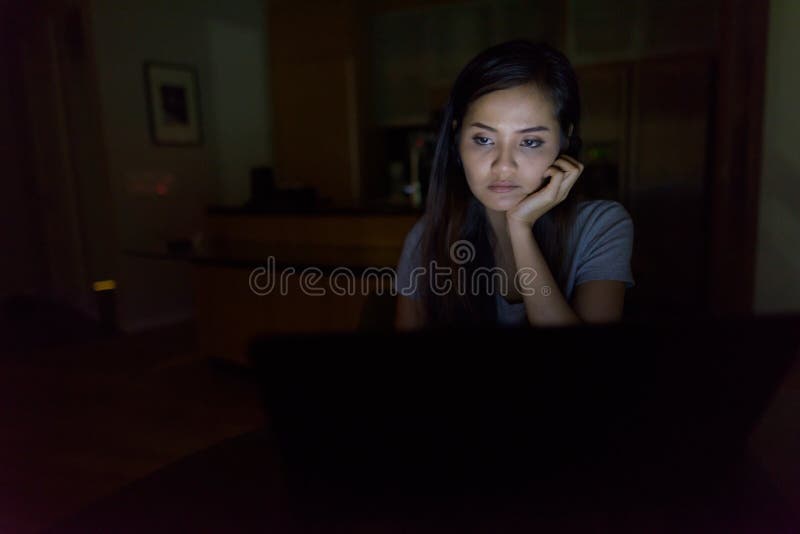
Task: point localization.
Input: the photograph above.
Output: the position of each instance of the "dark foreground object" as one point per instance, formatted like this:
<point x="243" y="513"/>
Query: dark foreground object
<point x="237" y="486"/>
<point x="625" y="428"/>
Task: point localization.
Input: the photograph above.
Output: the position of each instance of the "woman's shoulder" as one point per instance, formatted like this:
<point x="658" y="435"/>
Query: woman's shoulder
<point x="415" y="233"/>
<point x="601" y="217"/>
<point x="600" y="209"/>
<point x="412" y="241"/>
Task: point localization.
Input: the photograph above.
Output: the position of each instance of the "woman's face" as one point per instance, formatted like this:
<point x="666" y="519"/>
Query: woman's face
<point x="508" y="139"/>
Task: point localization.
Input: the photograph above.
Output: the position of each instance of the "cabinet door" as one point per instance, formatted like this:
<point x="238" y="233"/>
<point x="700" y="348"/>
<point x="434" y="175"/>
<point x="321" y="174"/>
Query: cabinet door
<point x="315" y="51"/>
<point x="316" y="139"/>
<point x="667" y="197"/>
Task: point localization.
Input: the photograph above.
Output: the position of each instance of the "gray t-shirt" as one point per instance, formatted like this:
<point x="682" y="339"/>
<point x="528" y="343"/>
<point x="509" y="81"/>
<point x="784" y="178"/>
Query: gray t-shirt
<point x="602" y="241"/>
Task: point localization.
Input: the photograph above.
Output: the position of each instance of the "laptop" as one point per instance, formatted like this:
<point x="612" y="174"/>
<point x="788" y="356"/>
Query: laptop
<point x="506" y="409"/>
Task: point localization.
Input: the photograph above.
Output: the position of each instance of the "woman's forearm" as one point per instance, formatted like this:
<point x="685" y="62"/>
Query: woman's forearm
<point x="544" y="303"/>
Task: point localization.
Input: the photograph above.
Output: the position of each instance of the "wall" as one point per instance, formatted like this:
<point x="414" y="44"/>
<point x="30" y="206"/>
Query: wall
<point x="225" y="42"/>
<point x="238" y="80"/>
<point x="778" y="245"/>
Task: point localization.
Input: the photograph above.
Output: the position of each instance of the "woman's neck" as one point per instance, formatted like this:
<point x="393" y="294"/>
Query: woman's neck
<point x="497" y="220"/>
<point x="498" y="223"/>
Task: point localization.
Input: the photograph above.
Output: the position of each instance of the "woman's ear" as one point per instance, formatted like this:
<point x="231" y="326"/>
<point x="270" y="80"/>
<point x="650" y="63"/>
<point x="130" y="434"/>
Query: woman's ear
<point x="564" y="143"/>
<point x="565" y="139"/>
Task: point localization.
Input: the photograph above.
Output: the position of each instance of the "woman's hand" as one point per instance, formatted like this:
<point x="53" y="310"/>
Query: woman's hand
<point x="563" y="173"/>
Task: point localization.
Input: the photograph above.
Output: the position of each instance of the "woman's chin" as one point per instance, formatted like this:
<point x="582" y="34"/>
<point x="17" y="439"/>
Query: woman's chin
<point x="504" y="204"/>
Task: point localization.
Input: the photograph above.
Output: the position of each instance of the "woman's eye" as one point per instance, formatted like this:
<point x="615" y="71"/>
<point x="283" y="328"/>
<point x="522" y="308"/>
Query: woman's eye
<point x="482" y="140"/>
<point x="531" y="143"/>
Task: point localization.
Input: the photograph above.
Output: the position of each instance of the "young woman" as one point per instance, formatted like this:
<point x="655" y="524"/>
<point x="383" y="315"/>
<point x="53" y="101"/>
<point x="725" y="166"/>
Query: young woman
<point x="504" y="239"/>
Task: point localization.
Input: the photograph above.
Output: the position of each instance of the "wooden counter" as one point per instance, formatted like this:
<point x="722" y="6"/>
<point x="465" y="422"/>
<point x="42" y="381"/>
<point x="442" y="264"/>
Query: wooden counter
<point x="331" y="265"/>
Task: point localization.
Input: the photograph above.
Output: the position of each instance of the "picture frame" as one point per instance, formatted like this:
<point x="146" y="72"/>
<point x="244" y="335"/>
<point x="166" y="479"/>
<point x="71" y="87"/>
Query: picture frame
<point x="173" y="104"/>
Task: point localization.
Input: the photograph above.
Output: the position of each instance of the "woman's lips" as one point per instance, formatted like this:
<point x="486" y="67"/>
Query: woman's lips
<point x="502" y="188"/>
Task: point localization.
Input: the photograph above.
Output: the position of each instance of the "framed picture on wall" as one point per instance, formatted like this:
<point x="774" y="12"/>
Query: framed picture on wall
<point x="173" y="104"/>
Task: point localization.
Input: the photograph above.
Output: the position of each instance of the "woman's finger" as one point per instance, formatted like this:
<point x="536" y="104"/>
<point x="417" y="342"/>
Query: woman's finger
<point x="569" y="164"/>
<point x="556" y="176"/>
<point x="567" y="184"/>
<point x="574" y="162"/>
<point x="556" y="179"/>
<point x="564" y="165"/>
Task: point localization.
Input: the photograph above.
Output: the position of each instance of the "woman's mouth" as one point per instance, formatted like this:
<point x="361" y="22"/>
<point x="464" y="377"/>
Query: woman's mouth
<point x="503" y="187"/>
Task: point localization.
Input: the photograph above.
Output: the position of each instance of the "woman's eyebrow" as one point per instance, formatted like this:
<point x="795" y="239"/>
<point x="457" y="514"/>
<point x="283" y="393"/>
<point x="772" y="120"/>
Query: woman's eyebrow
<point x="524" y="130"/>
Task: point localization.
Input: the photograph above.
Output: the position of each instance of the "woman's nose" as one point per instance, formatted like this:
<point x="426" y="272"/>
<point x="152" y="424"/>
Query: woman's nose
<point x="504" y="164"/>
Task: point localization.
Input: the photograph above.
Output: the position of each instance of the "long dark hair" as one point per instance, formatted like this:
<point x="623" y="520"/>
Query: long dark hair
<point x="452" y="213"/>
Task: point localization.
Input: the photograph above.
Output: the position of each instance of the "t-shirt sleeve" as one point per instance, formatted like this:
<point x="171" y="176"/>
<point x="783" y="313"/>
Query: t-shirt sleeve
<point x="606" y="245"/>
<point x="406" y="281"/>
